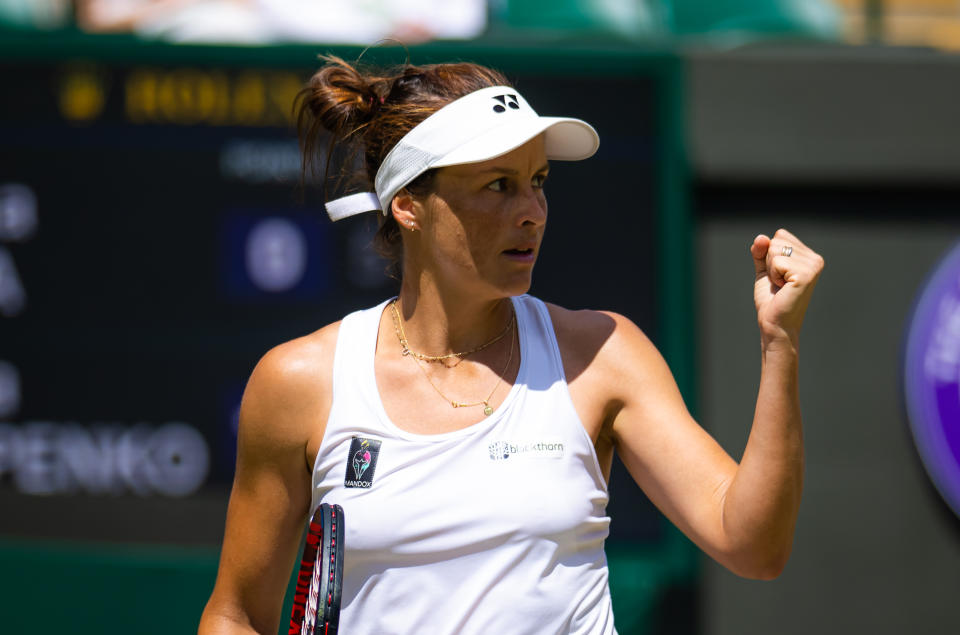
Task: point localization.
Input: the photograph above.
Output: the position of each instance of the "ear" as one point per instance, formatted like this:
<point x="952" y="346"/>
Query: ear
<point x="404" y="210"/>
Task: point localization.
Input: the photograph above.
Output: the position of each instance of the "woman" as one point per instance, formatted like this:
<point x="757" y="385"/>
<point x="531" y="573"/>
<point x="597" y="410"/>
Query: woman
<point x="468" y="429"/>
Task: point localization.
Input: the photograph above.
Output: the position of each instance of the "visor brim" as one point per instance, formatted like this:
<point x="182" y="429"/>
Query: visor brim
<point x="567" y="139"/>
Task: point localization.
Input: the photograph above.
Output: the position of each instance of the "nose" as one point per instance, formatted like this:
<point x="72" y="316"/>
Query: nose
<point x="532" y="207"/>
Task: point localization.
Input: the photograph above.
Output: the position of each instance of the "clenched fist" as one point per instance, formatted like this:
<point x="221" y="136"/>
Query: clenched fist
<point x="786" y="272"/>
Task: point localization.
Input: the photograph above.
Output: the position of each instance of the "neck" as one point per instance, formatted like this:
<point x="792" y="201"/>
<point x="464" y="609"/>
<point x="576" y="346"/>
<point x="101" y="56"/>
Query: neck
<point x="440" y="321"/>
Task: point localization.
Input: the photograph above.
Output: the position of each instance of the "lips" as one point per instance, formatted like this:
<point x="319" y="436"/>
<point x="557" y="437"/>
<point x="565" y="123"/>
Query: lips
<point x="523" y="252"/>
<point x="525" y="248"/>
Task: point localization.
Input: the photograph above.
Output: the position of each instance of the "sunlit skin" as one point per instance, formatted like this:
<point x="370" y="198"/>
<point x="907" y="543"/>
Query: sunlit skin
<point x="459" y="271"/>
<point x="457" y="247"/>
<point x="475" y="214"/>
<point x="468" y="246"/>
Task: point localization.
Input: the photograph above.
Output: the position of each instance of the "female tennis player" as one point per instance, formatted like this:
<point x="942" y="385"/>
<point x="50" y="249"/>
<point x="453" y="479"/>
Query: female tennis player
<point x="467" y="429"/>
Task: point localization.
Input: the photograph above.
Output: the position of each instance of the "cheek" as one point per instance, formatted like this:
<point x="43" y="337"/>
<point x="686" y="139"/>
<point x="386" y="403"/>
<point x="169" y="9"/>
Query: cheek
<point x="483" y="229"/>
<point x="452" y="241"/>
<point x="469" y="235"/>
<point x="486" y="230"/>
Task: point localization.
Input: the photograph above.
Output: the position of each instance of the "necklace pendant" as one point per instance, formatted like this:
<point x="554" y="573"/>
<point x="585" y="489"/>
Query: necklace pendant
<point x="487" y="410"/>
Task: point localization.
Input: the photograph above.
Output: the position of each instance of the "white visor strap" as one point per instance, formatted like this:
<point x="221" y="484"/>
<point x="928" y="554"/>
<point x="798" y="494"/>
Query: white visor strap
<point x="353" y="204"/>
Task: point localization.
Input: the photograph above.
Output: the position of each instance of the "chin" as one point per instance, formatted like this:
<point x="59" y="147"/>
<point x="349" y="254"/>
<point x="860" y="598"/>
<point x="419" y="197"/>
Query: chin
<point x="516" y="286"/>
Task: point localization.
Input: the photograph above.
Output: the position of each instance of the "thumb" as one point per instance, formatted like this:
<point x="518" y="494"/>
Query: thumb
<point x="759" y="249"/>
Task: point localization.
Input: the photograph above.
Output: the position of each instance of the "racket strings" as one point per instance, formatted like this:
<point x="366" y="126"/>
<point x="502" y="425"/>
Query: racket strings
<point x="333" y="565"/>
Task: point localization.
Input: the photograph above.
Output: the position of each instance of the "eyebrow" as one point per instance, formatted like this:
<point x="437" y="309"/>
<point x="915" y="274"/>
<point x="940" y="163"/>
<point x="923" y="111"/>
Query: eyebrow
<point x="511" y="171"/>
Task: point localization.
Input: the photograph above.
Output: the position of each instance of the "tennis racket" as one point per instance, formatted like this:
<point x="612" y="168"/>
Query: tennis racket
<point x="316" y="602"/>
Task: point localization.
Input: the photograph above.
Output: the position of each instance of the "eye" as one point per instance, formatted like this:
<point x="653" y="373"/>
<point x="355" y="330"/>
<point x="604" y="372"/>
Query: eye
<point x="500" y="185"/>
<point x="539" y="180"/>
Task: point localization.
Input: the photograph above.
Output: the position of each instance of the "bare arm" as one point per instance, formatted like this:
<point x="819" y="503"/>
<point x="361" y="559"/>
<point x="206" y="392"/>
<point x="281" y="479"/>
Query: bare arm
<point x="285" y="403"/>
<point x="763" y="500"/>
<point x="741" y="515"/>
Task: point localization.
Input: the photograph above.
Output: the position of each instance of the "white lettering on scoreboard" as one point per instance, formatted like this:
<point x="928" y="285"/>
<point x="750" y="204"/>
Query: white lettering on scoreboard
<point x="44" y="458"/>
<point x="18" y="213"/>
<point x="18" y="223"/>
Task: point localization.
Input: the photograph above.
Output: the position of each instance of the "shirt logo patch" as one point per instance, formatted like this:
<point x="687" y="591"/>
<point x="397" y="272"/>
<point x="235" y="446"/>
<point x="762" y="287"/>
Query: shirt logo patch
<point x="503" y="450"/>
<point x="362" y="462"/>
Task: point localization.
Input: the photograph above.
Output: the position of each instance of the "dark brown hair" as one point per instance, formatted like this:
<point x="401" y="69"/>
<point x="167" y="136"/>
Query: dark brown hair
<point x="369" y="111"/>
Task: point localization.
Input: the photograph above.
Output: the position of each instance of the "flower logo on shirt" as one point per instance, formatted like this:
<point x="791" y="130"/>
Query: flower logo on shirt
<point x="361" y="460"/>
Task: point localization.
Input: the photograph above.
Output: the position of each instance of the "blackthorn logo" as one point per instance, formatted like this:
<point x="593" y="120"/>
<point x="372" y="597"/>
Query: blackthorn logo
<point x="503" y="450"/>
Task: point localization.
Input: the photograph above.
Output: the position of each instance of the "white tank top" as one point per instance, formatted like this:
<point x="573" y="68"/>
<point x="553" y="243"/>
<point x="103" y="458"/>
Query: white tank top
<point x="494" y="528"/>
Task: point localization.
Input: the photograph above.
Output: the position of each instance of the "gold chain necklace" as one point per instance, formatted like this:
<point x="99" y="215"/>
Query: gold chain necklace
<point x="487" y="408"/>
<point x="398" y="326"/>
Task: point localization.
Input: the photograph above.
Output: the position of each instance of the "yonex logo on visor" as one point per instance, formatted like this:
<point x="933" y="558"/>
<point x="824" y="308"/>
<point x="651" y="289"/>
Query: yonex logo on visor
<point x="468" y="130"/>
<point x="506" y="100"/>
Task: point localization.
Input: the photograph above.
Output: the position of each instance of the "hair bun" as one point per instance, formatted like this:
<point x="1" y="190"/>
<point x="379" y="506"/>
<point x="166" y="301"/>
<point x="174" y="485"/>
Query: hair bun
<point x="341" y="98"/>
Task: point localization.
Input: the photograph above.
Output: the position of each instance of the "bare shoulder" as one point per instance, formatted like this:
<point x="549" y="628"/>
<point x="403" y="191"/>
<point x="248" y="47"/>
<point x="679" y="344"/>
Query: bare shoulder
<point x="588" y="322"/>
<point x="289" y="388"/>
<point x="302" y="359"/>
<point x="602" y="341"/>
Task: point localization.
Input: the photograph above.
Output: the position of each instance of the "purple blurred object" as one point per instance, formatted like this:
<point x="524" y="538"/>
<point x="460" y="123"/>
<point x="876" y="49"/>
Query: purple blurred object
<point x="932" y="377"/>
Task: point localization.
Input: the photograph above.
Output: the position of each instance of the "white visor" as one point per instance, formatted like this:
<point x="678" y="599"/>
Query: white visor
<point x="482" y="125"/>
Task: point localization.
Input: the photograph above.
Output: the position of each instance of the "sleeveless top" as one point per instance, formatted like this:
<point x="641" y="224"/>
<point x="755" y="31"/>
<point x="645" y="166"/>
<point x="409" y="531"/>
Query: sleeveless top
<point x="494" y="528"/>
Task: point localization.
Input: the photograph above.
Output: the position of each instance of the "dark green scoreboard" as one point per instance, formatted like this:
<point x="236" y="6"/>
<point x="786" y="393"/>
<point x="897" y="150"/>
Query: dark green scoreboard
<point x="155" y="241"/>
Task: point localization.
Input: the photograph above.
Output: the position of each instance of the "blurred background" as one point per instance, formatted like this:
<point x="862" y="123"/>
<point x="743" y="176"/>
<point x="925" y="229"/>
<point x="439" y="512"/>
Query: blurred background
<point x="155" y="241"/>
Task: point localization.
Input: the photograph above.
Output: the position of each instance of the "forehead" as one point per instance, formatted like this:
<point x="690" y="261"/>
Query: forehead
<point x="527" y="158"/>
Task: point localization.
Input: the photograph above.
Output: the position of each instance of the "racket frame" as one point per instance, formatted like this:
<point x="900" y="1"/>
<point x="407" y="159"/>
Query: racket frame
<point x="320" y="577"/>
